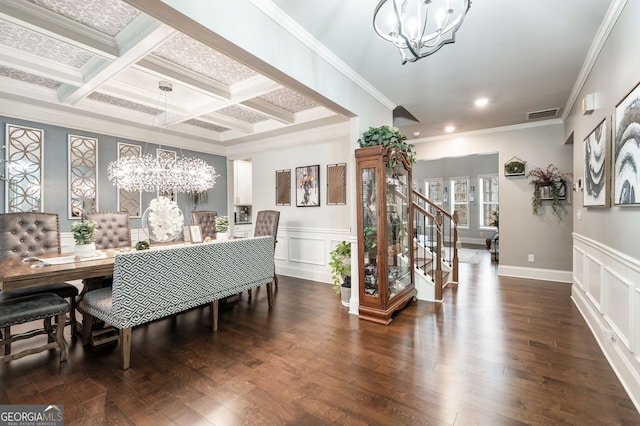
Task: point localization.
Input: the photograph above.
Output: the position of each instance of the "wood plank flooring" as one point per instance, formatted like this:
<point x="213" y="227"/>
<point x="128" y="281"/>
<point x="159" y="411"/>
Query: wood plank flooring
<point x="496" y="352"/>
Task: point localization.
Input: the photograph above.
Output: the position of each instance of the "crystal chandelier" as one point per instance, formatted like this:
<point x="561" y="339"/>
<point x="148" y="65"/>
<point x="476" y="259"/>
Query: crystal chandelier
<point x="419" y="28"/>
<point x="146" y="173"/>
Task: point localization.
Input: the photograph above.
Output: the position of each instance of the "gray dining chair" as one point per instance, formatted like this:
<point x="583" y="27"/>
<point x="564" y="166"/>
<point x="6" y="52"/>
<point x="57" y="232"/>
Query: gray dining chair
<point x="29" y="234"/>
<point x="267" y="225"/>
<point x="113" y="230"/>
<point x="207" y="220"/>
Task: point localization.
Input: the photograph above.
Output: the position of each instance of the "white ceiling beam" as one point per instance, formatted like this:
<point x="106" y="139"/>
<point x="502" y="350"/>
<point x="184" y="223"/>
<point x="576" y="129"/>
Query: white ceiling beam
<point x="228" y="122"/>
<point x="138" y="39"/>
<point x="49" y="24"/>
<point x="172" y="71"/>
<point x="246" y="90"/>
<point x="271" y="111"/>
<point x="33" y="64"/>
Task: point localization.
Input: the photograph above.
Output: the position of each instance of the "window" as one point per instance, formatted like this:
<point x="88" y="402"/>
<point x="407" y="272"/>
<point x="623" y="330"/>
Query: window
<point x="460" y="200"/>
<point x="433" y="190"/>
<point x="488" y="199"/>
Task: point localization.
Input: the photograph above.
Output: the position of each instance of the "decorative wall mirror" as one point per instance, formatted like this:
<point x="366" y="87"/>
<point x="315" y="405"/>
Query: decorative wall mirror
<point x="129" y="201"/>
<point x="83" y="175"/>
<point x="23" y="169"/>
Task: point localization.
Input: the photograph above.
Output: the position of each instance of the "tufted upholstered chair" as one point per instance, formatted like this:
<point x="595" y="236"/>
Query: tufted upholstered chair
<point x="34" y="234"/>
<point x="113" y="229"/>
<point x="267" y="225"/>
<point x="206" y="219"/>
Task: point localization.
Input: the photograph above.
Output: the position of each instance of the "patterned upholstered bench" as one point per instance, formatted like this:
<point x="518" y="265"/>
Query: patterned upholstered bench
<point x="153" y="284"/>
<point x="25" y="309"/>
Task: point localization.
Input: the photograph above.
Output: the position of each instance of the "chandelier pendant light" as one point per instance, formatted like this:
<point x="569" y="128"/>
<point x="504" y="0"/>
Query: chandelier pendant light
<point x="419" y="28"/>
<point x="146" y="173"/>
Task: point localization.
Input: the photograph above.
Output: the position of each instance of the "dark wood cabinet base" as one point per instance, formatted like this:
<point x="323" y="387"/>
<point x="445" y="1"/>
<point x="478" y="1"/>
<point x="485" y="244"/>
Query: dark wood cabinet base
<point x="385" y="316"/>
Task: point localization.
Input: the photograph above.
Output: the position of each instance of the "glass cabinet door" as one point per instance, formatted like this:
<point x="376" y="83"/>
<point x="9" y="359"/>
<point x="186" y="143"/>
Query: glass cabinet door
<point x="397" y="225"/>
<point x="371" y="285"/>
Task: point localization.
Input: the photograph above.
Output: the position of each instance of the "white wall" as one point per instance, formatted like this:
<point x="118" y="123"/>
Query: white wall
<point x="306" y="235"/>
<point x="606" y="269"/>
<point x="521" y="233"/>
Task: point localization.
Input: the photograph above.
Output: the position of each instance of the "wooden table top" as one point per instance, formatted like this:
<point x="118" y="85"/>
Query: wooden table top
<point x="15" y="273"/>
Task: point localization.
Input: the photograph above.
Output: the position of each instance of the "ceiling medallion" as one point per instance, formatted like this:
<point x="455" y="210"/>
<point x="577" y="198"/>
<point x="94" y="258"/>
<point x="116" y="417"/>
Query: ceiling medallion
<point x="419" y="28"/>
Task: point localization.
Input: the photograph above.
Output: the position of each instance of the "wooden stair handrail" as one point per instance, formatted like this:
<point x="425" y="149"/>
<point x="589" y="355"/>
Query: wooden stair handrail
<point x="438" y="220"/>
<point x="437" y="207"/>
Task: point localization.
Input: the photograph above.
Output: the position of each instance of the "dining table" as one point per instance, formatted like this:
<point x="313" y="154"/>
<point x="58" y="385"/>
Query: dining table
<point x="33" y="271"/>
<point x="27" y="272"/>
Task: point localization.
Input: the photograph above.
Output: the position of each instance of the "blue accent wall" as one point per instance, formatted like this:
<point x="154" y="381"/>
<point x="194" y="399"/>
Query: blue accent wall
<point x="56" y="171"/>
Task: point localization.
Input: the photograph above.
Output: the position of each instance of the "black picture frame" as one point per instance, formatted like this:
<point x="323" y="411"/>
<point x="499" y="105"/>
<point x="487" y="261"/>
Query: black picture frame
<point x="308" y="186"/>
<point x="626" y="158"/>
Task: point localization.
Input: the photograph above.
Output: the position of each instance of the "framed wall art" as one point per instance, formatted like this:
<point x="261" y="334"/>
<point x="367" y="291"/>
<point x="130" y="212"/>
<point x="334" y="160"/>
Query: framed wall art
<point x="626" y="162"/>
<point x="283" y="187"/>
<point x="336" y="184"/>
<point x="308" y="186"/>
<point x="597" y="180"/>
<point x="515" y="167"/>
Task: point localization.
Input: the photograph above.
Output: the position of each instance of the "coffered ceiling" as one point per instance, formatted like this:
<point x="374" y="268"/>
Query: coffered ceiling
<point x="104" y="58"/>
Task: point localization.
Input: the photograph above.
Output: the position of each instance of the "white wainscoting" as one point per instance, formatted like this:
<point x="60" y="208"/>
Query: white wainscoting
<point x="304" y="252"/>
<point x="606" y="290"/>
<point x="300" y="252"/>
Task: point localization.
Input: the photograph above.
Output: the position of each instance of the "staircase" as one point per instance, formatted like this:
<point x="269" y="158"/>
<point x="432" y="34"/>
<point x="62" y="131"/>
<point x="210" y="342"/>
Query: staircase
<point x="435" y="247"/>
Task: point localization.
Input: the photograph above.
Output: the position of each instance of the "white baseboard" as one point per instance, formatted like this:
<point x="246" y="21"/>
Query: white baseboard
<point x="535" y="274"/>
<point x="611" y="348"/>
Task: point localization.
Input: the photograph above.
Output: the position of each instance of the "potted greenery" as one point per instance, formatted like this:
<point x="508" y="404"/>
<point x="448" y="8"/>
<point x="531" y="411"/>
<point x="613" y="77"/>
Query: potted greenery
<point x="393" y="142"/>
<point x="549" y="184"/>
<point x="341" y="270"/>
<point x="222" y="227"/>
<point x="83" y="235"/>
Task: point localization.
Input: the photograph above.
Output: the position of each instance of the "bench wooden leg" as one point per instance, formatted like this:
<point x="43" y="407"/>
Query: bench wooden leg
<point x="72" y="317"/>
<point x="125" y="347"/>
<point x="7" y="346"/>
<point x="49" y="329"/>
<point x="214" y="315"/>
<point x="270" y="293"/>
<point x="64" y="348"/>
<point x="87" y="326"/>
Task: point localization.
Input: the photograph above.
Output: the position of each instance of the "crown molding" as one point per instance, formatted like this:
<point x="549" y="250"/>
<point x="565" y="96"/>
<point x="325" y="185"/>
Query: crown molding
<point x="609" y="21"/>
<point x="510" y="128"/>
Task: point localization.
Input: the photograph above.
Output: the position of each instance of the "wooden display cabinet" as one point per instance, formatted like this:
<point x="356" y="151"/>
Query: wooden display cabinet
<point x="385" y="243"/>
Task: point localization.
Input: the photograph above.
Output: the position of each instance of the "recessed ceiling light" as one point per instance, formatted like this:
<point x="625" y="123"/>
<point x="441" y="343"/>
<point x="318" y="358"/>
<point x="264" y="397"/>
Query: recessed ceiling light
<point x="416" y="134"/>
<point x="480" y="102"/>
<point x="450" y="129"/>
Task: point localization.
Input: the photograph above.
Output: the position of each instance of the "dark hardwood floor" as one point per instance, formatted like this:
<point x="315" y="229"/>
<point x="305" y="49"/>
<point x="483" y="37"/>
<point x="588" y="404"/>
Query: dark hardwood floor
<point x="496" y="352"/>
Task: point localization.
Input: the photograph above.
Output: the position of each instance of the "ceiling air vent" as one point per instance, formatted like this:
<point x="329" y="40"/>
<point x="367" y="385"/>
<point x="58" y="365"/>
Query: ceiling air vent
<point x="545" y="113"/>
